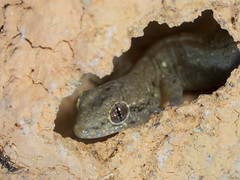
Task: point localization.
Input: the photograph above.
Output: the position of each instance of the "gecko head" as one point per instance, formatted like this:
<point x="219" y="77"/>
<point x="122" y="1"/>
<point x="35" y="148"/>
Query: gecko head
<point x="110" y="107"/>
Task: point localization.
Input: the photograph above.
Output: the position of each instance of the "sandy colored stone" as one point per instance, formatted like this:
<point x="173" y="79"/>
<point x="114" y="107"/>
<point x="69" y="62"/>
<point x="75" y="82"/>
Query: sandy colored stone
<point x="46" y="46"/>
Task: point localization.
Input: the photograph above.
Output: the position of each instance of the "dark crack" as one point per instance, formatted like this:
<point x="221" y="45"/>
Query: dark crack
<point x="9" y="81"/>
<point x="114" y="151"/>
<point x="19" y="34"/>
<point x="36" y="83"/>
<point x="4" y="17"/>
<point x="69" y="45"/>
<point x="237" y="112"/>
<point x="4" y="7"/>
<point x="41" y="85"/>
<point x="41" y="47"/>
<point x="2" y="29"/>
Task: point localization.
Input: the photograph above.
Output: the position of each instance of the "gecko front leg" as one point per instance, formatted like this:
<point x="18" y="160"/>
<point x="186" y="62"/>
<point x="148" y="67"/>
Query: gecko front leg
<point x="172" y="89"/>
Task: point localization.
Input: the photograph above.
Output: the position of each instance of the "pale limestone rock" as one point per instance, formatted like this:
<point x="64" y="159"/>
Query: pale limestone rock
<point x="45" y="47"/>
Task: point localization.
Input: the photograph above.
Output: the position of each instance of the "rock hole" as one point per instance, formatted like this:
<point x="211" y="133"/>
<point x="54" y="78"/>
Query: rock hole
<point x="152" y="33"/>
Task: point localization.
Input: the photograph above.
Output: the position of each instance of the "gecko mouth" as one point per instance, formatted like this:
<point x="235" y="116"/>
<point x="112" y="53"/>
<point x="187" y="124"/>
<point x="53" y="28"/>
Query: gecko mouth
<point x="91" y="133"/>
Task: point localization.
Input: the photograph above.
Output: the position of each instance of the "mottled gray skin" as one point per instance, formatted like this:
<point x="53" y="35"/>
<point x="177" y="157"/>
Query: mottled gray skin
<point x="186" y="61"/>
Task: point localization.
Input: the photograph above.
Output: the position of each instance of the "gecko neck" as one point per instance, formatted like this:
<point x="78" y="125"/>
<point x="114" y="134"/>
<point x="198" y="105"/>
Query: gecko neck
<point x="145" y="70"/>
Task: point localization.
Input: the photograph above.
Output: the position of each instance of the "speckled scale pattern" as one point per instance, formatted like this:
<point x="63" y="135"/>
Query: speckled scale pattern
<point x="185" y="61"/>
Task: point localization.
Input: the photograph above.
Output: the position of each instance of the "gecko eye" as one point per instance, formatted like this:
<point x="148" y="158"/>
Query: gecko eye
<point x="119" y="113"/>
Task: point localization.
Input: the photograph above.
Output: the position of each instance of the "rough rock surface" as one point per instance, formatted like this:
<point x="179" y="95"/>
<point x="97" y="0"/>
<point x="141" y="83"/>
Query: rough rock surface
<point x="46" y="46"/>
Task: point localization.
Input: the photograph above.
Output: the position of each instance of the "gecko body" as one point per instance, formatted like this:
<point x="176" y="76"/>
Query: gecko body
<point x="185" y="61"/>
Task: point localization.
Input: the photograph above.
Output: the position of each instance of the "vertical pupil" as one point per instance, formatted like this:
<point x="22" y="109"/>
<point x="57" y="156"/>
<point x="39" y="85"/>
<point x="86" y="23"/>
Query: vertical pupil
<point x="119" y="113"/>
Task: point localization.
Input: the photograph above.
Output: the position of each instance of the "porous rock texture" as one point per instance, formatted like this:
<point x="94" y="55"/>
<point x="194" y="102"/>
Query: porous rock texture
<point x="46" y="46"/>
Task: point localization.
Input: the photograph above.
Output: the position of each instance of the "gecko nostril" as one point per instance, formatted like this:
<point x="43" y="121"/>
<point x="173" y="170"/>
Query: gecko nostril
<point x="107" y="89"/>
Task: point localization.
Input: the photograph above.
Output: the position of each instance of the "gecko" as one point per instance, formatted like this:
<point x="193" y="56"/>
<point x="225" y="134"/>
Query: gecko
<point x="184" y="61"/>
